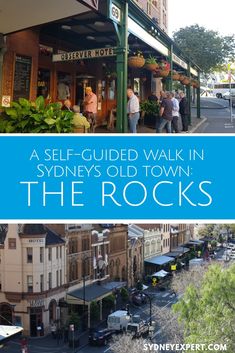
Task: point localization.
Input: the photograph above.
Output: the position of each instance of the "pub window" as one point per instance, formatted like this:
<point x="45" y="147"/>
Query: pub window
<point x="12" y="243"/>
<point x="22" y="77"/>
<point x="112" y="90"/>
<point x="29" y="255"/>
<point x="60" y="251"/>
<point x="30" y="284"/>
<point x="60" y="277"/>
<point x="57" y="252"/>
<point x="64" y="81"/>
<point x="43" y="88"/>
<point x="57" y="278"/>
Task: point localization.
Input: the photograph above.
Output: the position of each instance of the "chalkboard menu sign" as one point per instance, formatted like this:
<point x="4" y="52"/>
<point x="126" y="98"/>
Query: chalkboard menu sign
<point x="23" y="65"/>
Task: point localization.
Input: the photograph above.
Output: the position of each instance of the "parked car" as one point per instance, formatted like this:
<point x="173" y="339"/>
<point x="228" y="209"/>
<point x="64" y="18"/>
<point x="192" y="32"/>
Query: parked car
<point x="101" y="337"/>
<point x="139" y="298"/>
<point x="226" y="96"/>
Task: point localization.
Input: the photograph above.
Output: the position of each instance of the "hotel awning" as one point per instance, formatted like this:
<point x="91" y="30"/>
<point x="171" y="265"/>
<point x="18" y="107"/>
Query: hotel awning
<point x="14" y="18"/>
<point x="92" y="292"/>
<point x="159" y="260"/>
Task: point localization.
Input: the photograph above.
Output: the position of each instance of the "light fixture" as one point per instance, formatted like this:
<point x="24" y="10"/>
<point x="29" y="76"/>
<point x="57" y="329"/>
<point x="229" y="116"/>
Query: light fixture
<point x="66" y="27"/>
<point x="90" y="37"/>
<point x="99" y="24"/>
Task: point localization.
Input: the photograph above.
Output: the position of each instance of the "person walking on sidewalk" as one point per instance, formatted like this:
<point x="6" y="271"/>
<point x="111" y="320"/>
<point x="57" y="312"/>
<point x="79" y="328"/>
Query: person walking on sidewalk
<point x="165" y="114"/>
<point x="133" y="110"/>
<point x="184" y="111"/>
<point x="175" y="113"/>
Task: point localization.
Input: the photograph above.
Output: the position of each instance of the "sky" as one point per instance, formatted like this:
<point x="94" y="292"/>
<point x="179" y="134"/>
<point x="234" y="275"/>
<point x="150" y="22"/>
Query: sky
<point x="216" y="15"/>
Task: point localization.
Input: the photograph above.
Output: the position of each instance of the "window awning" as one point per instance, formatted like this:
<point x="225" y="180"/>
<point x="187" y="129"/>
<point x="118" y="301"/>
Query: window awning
<point x="159" y="260"/>
<point x="9" y="331"/>
<point x="140" y="33"/>
<point x="92" y="292"/>
<point x="13" y="18"/>
<point x="178" y="252"/>
<point x="160" y="274"/>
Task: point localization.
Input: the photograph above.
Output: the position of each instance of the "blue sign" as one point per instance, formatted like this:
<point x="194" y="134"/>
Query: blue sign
<point x="117" y="177"/>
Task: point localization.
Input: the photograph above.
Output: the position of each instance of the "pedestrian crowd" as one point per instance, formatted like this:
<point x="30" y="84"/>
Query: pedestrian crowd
<point x="173" y="106"/>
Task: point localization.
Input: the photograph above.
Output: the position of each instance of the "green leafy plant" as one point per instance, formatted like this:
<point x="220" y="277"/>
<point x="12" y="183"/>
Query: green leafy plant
<point x="95" y="310"/>
<point x="164" y="65"/>
<point x="109" y="301"/>
<point x="73" y="319"/>
<point x="35" y="117"/>
<point x="151" y="60"/>
<point x="138" y="53"/>
<point x="150" y="107"/>
<point x="124" y="294"/>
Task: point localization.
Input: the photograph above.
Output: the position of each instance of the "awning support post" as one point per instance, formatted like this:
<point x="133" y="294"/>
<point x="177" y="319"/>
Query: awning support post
<point x="121" y="64"/>
<point x="188" y="92"/>
<point x="198" y="98"/>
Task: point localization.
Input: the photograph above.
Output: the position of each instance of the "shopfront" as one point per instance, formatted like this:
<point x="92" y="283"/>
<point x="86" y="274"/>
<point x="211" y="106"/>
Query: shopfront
<point x="59" y="57"/>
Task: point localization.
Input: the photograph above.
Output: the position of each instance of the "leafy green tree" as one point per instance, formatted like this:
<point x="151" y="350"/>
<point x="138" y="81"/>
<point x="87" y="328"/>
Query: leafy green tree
<point x="207" y="48"/>
<point x="207" y="311"/>
<point x="73" y="319"/>
<point x="109" y="301"/>
<point x="95" y="310"/>
<point x="124" y="294"/>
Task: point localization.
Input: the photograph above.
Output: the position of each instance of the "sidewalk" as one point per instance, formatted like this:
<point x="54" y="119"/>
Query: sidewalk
<point x="47" y="344"/>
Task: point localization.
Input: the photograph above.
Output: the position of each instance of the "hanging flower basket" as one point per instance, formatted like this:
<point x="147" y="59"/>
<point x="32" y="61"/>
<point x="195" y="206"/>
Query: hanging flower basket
<point x="151" y="67"/>
<point x="186" y="81"/>
<point x="161" y="73"/>
<point x="181" y="78"/>
<point x="163" y="69"/>
<point x="175" y="76"/>
<point x="195" y="83"/>
<point x="136" y="61"/>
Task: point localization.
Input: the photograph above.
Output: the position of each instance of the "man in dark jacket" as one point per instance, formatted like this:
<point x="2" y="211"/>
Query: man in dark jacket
<point x="184" y="111"/>
<point x="165" y="114"/>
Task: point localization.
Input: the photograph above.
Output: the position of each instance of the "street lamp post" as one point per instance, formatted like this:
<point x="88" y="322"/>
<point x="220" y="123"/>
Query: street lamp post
<point x="85" y="258"/>
<point x="150" y="307"/>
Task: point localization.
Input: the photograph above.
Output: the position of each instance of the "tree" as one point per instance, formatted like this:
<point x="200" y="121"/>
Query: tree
<point x="109" y="301"/>
<point x="95" y="310"/>
<point x="124" y="294"/>
<point x="206" y="48"/>
<point x="126" y="344"/>
<point x="208" y="311"/>
<point x="73" y="319"/>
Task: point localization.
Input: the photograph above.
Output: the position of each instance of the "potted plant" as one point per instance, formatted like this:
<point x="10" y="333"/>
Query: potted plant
<point x="150" y="112"/>
<point x="151" y="63"/>
<point x="175" y="75"/>
<point x="194" y="83"/>
<point x="136" y="60"/>
<point x="163" y="69"/>
<point x="186" y="81"/>
<point x="35" y="117"/>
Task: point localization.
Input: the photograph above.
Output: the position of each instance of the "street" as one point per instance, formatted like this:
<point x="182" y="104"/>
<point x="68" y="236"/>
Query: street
<point x="217" y="112"/>
<point x="49" y="345"/>
<point x="160" y="299"/>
